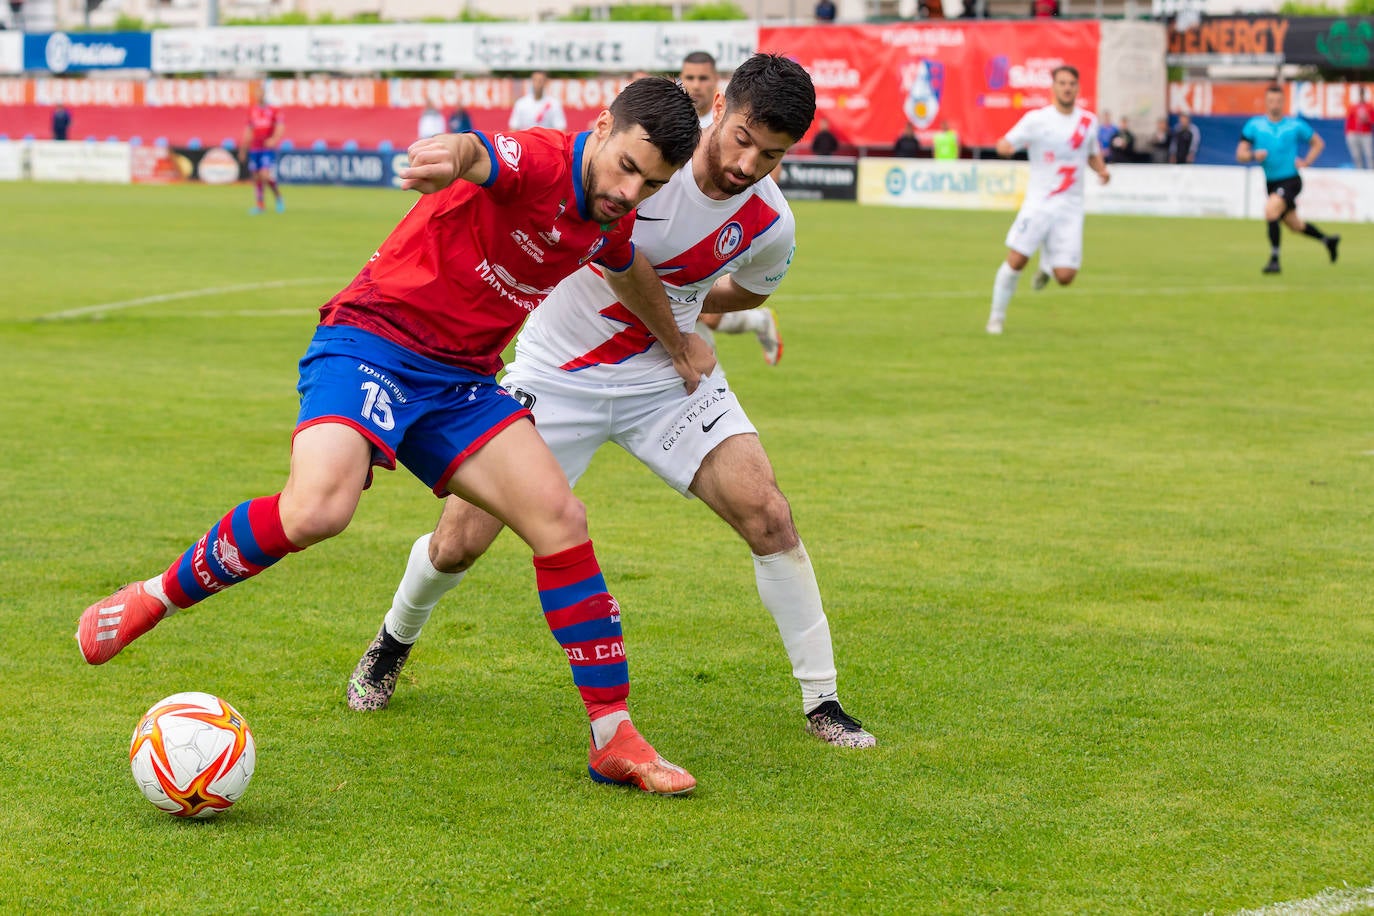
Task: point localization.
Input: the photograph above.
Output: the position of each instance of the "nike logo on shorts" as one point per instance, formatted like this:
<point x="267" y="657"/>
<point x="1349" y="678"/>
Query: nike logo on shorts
<point x="706" y="427"/>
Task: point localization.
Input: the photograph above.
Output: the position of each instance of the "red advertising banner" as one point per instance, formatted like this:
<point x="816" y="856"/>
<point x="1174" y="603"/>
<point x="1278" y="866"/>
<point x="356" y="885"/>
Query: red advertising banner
<point x="979" y="76"/>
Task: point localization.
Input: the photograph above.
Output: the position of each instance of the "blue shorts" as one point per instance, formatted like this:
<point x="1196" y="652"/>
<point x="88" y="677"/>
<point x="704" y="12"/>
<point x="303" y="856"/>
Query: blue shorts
<point x="426" y="414"/>
<point x="261" y="159"/>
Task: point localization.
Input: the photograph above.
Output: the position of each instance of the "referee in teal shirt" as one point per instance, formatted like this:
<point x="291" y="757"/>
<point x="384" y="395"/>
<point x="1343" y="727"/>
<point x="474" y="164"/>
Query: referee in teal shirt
<point x="1272" y="140"/>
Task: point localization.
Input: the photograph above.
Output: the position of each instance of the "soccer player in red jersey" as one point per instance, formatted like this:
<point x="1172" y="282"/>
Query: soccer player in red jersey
<point x="261" y="135"/>
<point x="402" y="367"/>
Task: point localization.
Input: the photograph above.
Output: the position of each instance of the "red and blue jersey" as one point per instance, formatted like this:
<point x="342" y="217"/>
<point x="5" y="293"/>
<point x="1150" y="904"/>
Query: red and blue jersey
<point x="457" y="277"/>
<point x="262" y="121"/>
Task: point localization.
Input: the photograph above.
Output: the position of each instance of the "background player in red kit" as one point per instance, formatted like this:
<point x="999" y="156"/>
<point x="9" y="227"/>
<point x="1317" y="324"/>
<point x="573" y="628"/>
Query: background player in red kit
<point x="402" y="368"/>
<point x="259" y="149"/>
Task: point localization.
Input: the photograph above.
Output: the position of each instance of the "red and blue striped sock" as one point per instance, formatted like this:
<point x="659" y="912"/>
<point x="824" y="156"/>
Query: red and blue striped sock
<point x="239" y="546"/>
<point x="585" y="620"/>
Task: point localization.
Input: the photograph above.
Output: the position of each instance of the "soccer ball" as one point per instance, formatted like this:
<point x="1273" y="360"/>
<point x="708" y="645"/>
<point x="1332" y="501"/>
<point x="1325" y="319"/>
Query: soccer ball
<point x="192" y="755"/>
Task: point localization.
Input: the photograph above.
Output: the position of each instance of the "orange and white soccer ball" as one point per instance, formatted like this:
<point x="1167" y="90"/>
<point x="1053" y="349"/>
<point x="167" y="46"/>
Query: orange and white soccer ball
<point x="192" y="755"/>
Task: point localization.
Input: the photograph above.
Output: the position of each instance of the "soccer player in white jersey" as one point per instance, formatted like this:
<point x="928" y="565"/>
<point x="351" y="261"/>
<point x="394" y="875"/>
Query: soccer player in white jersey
<point x="700" y="80"/>
<point x="1061" y="143"/>
<point x="722" y="239"/>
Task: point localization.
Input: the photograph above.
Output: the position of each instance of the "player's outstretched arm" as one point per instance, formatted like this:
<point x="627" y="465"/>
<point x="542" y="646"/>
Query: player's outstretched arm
<point x="437" y="162"/>
<point x="725" y="295"/>
<point x="640" y="290"/>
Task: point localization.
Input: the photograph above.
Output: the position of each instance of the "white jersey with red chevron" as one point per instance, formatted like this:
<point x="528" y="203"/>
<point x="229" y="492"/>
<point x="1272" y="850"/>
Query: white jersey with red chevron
<point x="1058" y="146"/>
<point x="582" y="331"/>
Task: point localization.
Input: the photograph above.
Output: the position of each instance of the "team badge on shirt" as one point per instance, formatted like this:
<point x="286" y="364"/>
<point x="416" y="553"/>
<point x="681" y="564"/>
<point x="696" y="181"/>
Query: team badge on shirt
<point x="508" y="148"/>
<point x="728" y="240"/>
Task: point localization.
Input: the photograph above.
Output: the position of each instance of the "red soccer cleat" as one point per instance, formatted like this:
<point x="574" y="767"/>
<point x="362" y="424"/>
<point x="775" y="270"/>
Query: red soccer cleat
<point x="629" y="760"/>
<point x="109" y="625"/>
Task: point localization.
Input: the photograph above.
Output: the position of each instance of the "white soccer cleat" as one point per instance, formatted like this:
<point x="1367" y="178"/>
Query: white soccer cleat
<point x="994" y="325"/>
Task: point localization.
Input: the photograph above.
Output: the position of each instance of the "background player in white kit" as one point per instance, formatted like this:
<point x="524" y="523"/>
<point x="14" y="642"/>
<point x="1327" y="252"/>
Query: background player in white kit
<point x="700" y="79"/>
<point x="1061" y="143"/>
<point x="591" y="372"/>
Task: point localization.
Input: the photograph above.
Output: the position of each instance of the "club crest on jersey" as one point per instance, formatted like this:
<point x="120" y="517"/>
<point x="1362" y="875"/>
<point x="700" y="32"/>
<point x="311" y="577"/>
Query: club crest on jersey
<point x="728" y="240"/>
<point x="508" y="148"/>
<point x="591" y="252"/>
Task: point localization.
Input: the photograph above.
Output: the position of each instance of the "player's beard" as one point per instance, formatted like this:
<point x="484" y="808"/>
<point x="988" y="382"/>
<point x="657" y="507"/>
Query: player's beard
<point x="725" y="181"/>
<point x="596" y="201"/>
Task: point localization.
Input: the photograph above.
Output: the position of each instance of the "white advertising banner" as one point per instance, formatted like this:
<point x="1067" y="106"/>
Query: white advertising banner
<point x="11" y="52"/>
<point x="455" y="48"/>
<point x="609" y="47"/>
<point x="11" y="160"/>
<point x="1328" y="195"/>
<point x="372" y="48"/>
<point x="51" y="160"/>
<point x="1169" y="190"/>
<point x="965" y="184"/>
<point x="231" y="50"/>
<point x="1131" y="74"/>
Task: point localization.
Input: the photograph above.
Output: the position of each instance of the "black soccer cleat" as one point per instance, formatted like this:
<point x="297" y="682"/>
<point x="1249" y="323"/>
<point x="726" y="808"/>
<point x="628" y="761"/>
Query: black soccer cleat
<point x="1272" y="267"/>
<point x="1333" y="242"/>
<point x="833" y="725"/>
<point x="374" y="680"/>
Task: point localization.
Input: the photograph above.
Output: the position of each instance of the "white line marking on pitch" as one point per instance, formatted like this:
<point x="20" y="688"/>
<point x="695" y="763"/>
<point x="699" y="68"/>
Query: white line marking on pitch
<point x="184" y="294"/>
<point x="1124" y="292"/>
<point x="1330" y="902"/>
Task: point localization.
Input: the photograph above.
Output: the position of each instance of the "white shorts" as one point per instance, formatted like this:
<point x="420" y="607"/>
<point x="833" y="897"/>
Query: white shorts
<point x="1057" y="232"/>
<point x="669" y="431"/>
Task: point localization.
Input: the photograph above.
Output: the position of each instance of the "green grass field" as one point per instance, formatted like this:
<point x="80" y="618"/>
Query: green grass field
<point x="1101" y="586"/>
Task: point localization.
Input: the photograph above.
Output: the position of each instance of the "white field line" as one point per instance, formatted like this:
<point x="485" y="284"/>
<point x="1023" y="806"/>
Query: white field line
<point x="965" y="293"/>
<point x="1330" y="902"/>
<point x="103" y="307"/>
<point x="1123" y="292"/>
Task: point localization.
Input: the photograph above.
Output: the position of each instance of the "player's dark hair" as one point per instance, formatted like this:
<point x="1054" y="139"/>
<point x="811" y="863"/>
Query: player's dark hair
<point x="664" y="111"/>
<point x="1274" y="87"/>
<point x="700" y="57"/>
<point x="1064" y="68"/>
<point x="776" y="91"/>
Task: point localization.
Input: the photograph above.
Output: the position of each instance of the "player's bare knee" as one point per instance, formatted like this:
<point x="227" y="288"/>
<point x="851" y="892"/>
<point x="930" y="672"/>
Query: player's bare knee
<point x="768" y="528"/>
<point x="1064" y="277"/>
<point x="570" y="516"/>
<point x="317" y="521"/>
<point x="451" y="552"/>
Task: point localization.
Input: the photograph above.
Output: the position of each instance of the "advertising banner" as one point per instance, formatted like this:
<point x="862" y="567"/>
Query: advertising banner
<point x="610" y="46"/>
<point x="965" y="184"/>
<point x="157" y="165"/>
<point x="455" y="47"/>
<point x="11" y="52"/>
<point x="981" y="77"/>
<point x="235" y="48"/>
<point x="1316" y="100"/>
<point x="1170" y="190"/>
<point x="329" y="167"/>
<point x="72" y="52"/>
<point x="52" y="160"/>
<point x="820" y="178"/>
<point x="1341" y="43"/>
<point x="1328" y="195"/>
<point x="370" y="48"/>
<point x="212" y="165"/>
<point x="11" y="160"/>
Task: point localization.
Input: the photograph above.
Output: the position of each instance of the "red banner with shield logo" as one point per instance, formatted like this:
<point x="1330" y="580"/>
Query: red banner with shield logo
<point x="980" y="77"/>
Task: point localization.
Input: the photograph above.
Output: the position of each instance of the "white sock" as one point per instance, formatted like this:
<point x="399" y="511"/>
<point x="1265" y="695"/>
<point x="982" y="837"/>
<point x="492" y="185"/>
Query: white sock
<point x="154" y="587"/>
<point x="420" y="590"/>
<point x="603" y="729"/>
<point x="745" y="320"/>
<point x="1002" y="289"/>
<point x="787" y="585"/>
